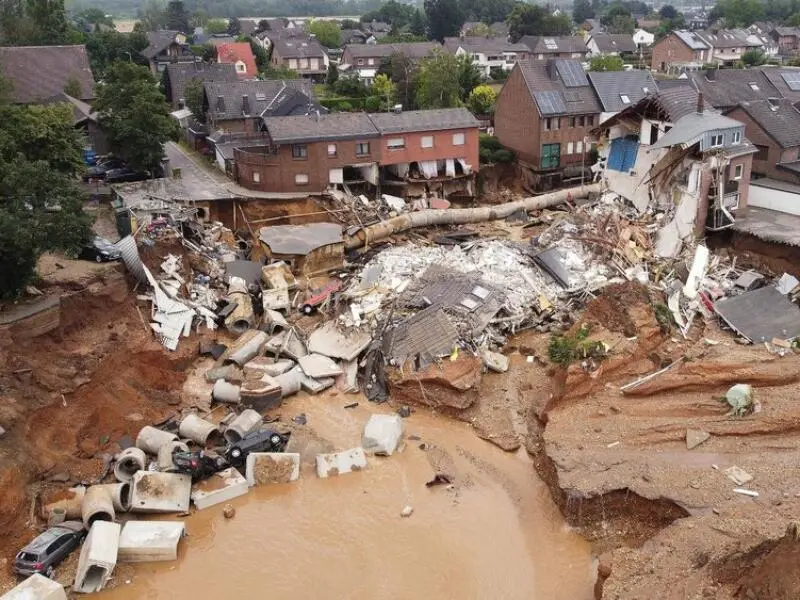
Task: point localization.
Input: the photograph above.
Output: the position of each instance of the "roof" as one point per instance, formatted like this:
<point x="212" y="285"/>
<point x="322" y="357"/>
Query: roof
<point x="80" y="110"/>
<point x="780" y="77"/>
<point x="300" y="239"/>
<point x="724" y="39"/>
<point x="423" y="120"/>
<point x="269" y="97"/>
<point x="614" y="42"/>
<point x="728" y="87"/>
<point x="298" y="47"/>
<point x="217" y="40"/>
<point x="484" y="45"/>
<point x="780" y="120"/>
<point x="554" y="44"/>
<point x="690" y="128"/>
<point x="787" y="31"/>
<point x="677" y="101"/>
<point x="158" y="41"/>
<point x="548" y="88"/>
<point x="236" y="52"/>
<point x="612" y="85"/>
<point x="179" y="75"/>
<point x="691" y="39"/>
<point x="770" y="225"/>
<point x="184" y="189"/>
<point x="409" y="49"/>
<point x="40" y="72"/>
<point x="309" y="128"/>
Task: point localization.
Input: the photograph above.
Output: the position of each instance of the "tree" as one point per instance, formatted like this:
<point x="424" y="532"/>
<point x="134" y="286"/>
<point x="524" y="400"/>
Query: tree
<point x="582" y="10"/>
<point x="135" y="115"/>
<point x="92" y="18"/>
<point x="739" y="13"/>
<point x="350" y="24"/>
<point x="404" y="72"/>
<point x="481" y="100"/>
<point x="263" y="25"/>
<point x="397" y="14"/>
<point x="487" y="11"/>
<point x="177" y="17"/>
<point x="215" y="26"/>
<point x="260" y="53"/>
<point x="193" y="96"/>
<point x="280" y="72"/>
<point x="445" y="18"/>
<point x="332" y="75"/>
<point x="668" y="12"/>
<point x="469" y="77"/>
<point x="606" y="62"/>
<point x="33" y="23"/>
<point x="438" y="85"/>
<point x="754" y="57"/>
<point x="479" y="30"/>
<point x="327" y="32"/>
<point x="234" y="26"/>
<point x="153" y="15"/>
<point x="622" y="24"/>
<point x="107" y="47"/>
<point x="418" y="26"/>
<point x="384" y="89"/>
<point x="528" y="19"/>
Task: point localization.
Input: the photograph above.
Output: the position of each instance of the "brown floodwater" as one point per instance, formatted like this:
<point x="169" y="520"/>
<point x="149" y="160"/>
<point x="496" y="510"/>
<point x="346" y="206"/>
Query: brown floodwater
<point x="495" y="534"/>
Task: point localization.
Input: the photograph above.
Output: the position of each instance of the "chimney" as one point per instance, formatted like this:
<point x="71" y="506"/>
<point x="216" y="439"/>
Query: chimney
<point x="700" y="103"/>
<point x="245" y="104"/>
<point x="220" y="104"/>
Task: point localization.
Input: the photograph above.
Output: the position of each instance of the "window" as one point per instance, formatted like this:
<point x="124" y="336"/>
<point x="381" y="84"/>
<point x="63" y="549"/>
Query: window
<point x="737" y="137"/>
<point x="716" y="140"/>
<point x="551" y="156"/>
<point x="240" y="67"/>
<point x="578" y="147"/>
<point x="362" y="148"/>
<point x="331" y="149"/>
<point x="360" y="61"/>
<point x="427" y="141"/>
<point x="554" y="123"/>
<point x="762" y="154"/>
<point x="625" y="99"/>
<point x="458" y="139"/>
<point x="589" y="120"/>
<point x="371" y="61"/>
<point x="754" y="86"/>
<point x="737" y="171"/>
<point x="301" y="179"/>
<point x="546" y="124"/>
<point x="572" y="121"/>
<point x="396" y="143"/>
<point x="299" y="151"/>
<point x="540" y="56"/>
<point x="580" y="121"/>
<point x="570" y="147"/>
<point x="256" y="177"/>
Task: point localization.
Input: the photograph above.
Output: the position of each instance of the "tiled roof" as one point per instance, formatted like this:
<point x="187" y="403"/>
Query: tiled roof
<point x="691" y="39"/>
<point x="552" y="45"/>
<point x="776" y="77"/>
<point x="780" y="120"/>
<point x="423" y="120"/>
<point x="158" y="41"/>
<point x="410" y="49"/>
<point x="309" y="128"/>
<point x="787" y="31"/>
<point x="613" y="42"/>
<point x="40" y="72"/>
<point x="612" y="85"/>
<point x="724" y="39"/>
<point x="80" y="110"/>
<point x="577" y="100"/>
<point x="298" y="47"/>
<point x="483" y="45"/>
<point x="265" y="97"/>
<point x="239" y="51"/>
<point x="677" y="102"/>
<point x="728" y="87"/>
<point x="178" y="75"/>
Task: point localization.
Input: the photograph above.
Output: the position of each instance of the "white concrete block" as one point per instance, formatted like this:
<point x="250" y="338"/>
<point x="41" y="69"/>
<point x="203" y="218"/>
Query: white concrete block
<point x="36" y="587"/>
<point x="155" y="492"/>
<point x="319" y="366"/>
<point x="220" y="487"/>
<point x="98" y="557"/>
<point x="146" y="541"/>
<point x="382" y="433"/>
<point x="339" y="463"/>
<point x="272" y="467"/>
<point x="495" y="361"/>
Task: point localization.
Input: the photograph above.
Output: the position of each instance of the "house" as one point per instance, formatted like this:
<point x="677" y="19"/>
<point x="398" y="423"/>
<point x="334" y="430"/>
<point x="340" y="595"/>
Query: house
<point x="428" y="152"/>
<point x="307" y="154"/>
<point x="241" y="106"/>
<point x="545" y="48"/>
<point x="308" y="250"/>
<point x="726" y="88"/>
<point x="364" y="60"/>
<point x="680" y="50"/>
<point x="786" y="80"/>
<point x="761" y="27"/>
<point x="544" y="113"/>
<point x="611" y="44"/>
<point x="84" y="119"/>
<point x="240" y="55"/>
<point x="648" y="24"/>
<point x="698" y="21"/>
<point x="487" y="53"/>
<point x="499" y="29"/>
<point x="642" y="38"/>
<point x="668" y="152"/>
<point x="727" y="47"/>
<point x="773" y="126"/>
<point x="36" y="73"/>
<point x="166" y="47"/>
<point x="591" y="27"/>
<point x="787" y="38"/>
<point x="306" y="56"/>
<point x="617" y="90"/>
<point x="758" y="41"/>
<point x="178" y="75"/>
<point x="353" y="36"/>
<point x="218" y="39"/>
<point x="379" y="28"/>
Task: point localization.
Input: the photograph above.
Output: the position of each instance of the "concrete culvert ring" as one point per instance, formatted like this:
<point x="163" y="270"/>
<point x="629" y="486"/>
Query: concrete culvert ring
<point x="99" y="516"/>
<point x="240" y="326"/>
<point x="129" y="462"/>
<point x="98" y="505"/>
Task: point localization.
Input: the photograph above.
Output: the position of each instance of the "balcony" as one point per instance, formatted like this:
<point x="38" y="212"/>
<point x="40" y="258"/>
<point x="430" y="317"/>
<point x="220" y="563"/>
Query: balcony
<point x="731" y="201"/>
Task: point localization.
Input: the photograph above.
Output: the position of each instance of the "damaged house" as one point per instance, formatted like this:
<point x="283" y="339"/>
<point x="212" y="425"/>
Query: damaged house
<point x="669" y="152"/>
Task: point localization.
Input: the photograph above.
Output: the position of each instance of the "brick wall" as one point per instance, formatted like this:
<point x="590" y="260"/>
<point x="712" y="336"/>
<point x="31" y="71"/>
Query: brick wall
<point x="516" y="118"/>
<point x="566" y="134"/>
<point x="443" y="147"/>
<point x="670" y="50"/>
<point x="746" y="162"/>
<point x="766" y="166"/>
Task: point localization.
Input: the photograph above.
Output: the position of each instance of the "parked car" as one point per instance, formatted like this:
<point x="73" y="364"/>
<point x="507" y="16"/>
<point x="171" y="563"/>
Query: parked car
<point x="124" y="175"/>
<point x="198" y="464"/>
<point x="101" y="169"/>
<point x="45" y="552"/>
<point x="265" y="440"/>
<point x="100" y="250"/>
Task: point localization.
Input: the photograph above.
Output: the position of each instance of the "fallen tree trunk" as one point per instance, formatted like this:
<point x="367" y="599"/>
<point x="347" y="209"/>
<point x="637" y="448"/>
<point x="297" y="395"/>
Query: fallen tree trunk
<point x="460" y="216"/>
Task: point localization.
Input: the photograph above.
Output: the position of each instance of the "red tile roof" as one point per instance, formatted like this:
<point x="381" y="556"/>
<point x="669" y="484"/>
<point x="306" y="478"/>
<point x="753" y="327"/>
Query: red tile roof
<point x="235" y="52"/>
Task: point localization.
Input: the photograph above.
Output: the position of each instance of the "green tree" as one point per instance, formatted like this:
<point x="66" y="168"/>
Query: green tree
<point x="479" y="30"/>
<point x="739" y="13"/>
<point x="606" y="62"/>
<point x="193" y="96"/>
<point x="215" y="26"/>
<point x="234" y="26"/>
<point x="418" y="26"/>
<point x="487" y="11"/>
<point x="280" y="72"/>
<point x="622" y="24"/>
<point x="404" y="72"/>
<point x="260" y="53"/>
<point x="135" y="115"/>
<point x="153" y="15"/>
<point x="73" y="88"/>
<point x="350" y="24"/>
<point x="333" y="74"/>
<point x="754" y="57"/>
<point x="582" y="10"/>
<point x="327" y="32"/>
<point x="469" y="77"/>
<point x="481" y="100"/>
<point x="384" y="89"/>
<point x="445" y="18"/>
<point x="529" y="19"/>
<point x="397" y="14"/>
<point x="92" y="18"/>
<point x="33" y="23"/>
<point x="438" y="85"/>
<point x="177" y="17"/>
<point x="107" y="47"/>
<point x="668" y="12"/>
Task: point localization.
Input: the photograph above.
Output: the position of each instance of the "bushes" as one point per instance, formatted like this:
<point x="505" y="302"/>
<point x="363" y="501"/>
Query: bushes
<point x="565" y="349"/>
<point x="493" y="152"/>
<point x="339" y="104"/>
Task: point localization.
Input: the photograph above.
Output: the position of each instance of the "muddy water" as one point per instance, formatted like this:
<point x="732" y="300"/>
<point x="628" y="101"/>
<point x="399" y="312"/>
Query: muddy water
<point x="495" y="534"/>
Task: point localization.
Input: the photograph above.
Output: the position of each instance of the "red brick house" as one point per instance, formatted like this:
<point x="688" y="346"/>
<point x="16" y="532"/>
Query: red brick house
<point x="241" y="56"/>
<point x="680" y="49"/>
<point x="544" y="113"/>
<point x="787" y="38"/>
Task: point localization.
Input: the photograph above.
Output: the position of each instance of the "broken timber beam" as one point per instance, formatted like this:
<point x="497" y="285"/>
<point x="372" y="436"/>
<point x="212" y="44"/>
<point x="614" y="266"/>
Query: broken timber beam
<point x="460" y="216"/>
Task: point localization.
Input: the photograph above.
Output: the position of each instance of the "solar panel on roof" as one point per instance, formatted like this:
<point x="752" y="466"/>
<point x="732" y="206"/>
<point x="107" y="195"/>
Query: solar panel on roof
<point x="550" y="103"/>
<point x="792" y="80"/>
<point x="572" y="96"/>
<point x="572" y="74"/>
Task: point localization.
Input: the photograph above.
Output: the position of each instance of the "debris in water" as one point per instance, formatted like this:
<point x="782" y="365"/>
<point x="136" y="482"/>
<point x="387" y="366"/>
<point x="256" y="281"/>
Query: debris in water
<point x="740" y="399"/>
<point x="404" y="411"/>
<point x="300" y="419"/>
<point x="351" y="405"/>
<point x="439" y="479"/>
<point x="229" y="512"/>
<point x="407" y="511"/>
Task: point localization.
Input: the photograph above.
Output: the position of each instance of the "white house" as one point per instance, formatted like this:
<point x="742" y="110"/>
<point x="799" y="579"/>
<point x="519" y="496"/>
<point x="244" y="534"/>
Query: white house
<point x="488" y="53"/>
<point x="643" y="38"/>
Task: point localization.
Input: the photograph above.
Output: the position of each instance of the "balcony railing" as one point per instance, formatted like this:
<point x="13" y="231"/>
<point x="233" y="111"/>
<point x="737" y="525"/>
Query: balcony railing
<point x="731" y="201"/>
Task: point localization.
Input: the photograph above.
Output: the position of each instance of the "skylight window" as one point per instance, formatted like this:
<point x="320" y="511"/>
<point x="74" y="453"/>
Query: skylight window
<point x="625" y="99"/>
<point x="550" y="44"/>
<point x="753" y="86"/>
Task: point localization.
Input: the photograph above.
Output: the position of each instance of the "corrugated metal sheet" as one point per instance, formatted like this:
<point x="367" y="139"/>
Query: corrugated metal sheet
<point x="130" y="256"/>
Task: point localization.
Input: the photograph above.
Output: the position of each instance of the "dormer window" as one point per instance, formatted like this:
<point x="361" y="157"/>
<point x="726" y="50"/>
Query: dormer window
<point x="737" y="137"/>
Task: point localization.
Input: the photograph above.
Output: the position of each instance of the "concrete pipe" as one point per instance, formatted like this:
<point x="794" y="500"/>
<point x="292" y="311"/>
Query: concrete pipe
<point x="245" y="423"/>
<point x="290" y="382"/>
<point x="151" y="439"/>
<point x="165" y="453"/>
<point x="225" y="392"/>
<point x="57" y="516"/>
<point x="120" y="494"/>
<point x="97" y="506"/>
<point x="247" y="346"/>
<point x="72" y="504"/>
<point x="200" y="431"/>
<point x="242" y="318"/>
<point x="129" y="461"/>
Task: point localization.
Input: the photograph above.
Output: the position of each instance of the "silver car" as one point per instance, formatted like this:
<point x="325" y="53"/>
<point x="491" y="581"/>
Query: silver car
<point x="47" y="550"/>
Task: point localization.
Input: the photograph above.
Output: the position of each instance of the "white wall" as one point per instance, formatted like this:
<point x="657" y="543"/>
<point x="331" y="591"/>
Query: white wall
<point x="763" y="197"/>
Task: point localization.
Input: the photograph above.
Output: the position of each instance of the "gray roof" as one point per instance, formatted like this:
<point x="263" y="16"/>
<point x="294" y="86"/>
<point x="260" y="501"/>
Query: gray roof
<point x="40" y="72"/>
<point x="410" y="49"/>
<point x="264" y="97"/>
<point x="726" y="38"/>
<point x="689" y="129"/>
<point x="550" y="93"/>
<point x="614" y="42"/>
<point x="178" y="75"/>
<point x="781" y="120"/>
<point x="544" y="44"/>
<point x="677" y="102"/>
<point x="484" y="45"/>
<point x="610" y="86"/>
<point x="691" y="39"/>
<point x="723" y="88"/>
<point x="424" y="120"/>
<point x="310" y="128"/>
<point x="80" y="110"/>
<point x="787" y="31"/>
<point x="298" y="47"/>
<point x="776" y="77"/>
<point x="158" y="41"/>
<point x="300" y="239"/>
